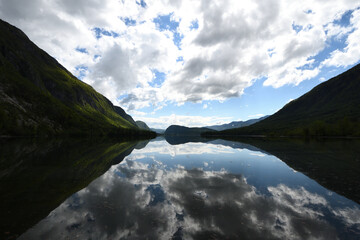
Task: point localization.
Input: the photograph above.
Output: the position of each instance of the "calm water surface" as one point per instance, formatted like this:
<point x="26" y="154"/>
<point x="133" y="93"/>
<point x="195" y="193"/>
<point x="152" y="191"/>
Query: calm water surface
<point x="214" y="190"/>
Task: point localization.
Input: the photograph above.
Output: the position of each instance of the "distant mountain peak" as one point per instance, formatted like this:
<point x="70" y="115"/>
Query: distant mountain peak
<point x="235" y="124"/>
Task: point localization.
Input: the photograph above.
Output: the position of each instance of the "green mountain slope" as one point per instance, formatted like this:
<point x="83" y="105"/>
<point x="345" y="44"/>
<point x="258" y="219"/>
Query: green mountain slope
<point x="39" y="96"/>
<point x="330" y="109"/>
<point x="124" y="115"/>
<point x="142" y="125"/>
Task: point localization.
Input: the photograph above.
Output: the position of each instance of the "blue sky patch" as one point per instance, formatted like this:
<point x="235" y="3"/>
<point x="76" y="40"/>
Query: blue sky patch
<point x="345" y="19"/>
<point x="308" y="66"/>
<point x="271" y="52"/>
<point x="158" y="79"/>
<point x="141" y="3"/>
<point x="297" y="28"/>
<point x="115" y="34"/>
<point x="164" y="22"/>
<point x="129" y="21"/>
<point x="122" y="96"/>
<point x="99" y="32"/>
<point x="177" y="39"/>
<point x="194" y="24"/>
<point x="332" y="44"/>
<point x="81" y="70"/>
<point x="82" y="50"/>
<point x="180" y="59"/>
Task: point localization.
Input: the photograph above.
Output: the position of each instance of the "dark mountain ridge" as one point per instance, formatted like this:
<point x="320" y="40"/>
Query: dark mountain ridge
<point x="142" y="125"/>
<point x="329" y="109"/>
<point x="124" y="115"/>
<point x="38" y="96"/>
<point x="176" y="130"/>
<point x="176" y="134"/>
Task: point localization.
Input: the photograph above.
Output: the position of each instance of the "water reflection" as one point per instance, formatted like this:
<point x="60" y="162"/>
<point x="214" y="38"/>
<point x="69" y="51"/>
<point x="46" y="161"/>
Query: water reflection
<point x="37" y="176"/>
<point x="335" y="164"/>
<point x="164" y="191"/>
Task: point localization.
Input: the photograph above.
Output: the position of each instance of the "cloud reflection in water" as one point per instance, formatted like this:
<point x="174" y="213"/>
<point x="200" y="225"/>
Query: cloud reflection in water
<point x="135" y="200"/>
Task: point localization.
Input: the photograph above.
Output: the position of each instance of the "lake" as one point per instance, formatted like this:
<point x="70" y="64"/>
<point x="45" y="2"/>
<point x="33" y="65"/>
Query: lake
<point x="213" y="189"/>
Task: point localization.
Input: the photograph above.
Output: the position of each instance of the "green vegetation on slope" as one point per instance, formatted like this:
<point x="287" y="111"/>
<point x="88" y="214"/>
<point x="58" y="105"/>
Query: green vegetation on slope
<point x="38" y="96"/>
<point x="142" y="125"/>
<point x="330" y="109"/>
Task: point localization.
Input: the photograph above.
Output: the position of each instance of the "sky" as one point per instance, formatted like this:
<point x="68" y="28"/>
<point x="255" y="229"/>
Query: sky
<point x="195" y="63"/>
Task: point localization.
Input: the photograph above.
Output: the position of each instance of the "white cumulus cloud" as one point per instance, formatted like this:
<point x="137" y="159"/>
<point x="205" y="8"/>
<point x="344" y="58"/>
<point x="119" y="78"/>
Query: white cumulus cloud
<point x="212" y="51"/>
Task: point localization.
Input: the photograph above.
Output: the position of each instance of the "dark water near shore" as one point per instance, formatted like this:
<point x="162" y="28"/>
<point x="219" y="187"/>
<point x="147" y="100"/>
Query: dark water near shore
<point x="213" y="190"/>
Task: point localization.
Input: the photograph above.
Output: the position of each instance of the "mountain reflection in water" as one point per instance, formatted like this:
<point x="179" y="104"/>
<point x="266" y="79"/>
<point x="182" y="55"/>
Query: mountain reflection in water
<point x="37" y="176"/>
<point x="201" y="191"/>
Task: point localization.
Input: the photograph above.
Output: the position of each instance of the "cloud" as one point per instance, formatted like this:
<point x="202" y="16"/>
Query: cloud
<point x="233" y="44"/>
<point x="351" y="53"/>
<point x="349" y="215"/>
<point x="183" y="149"/>
<point x="258" y="154"/>
<point x="114" y="71"/>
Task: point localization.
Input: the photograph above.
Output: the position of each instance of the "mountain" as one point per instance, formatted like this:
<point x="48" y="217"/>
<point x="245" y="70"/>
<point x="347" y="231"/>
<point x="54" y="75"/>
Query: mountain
<point x="142" y="125"/>
<point x="157" y="130"/>
<point x="236" y="124"/>
<point x="176" y="130"/>
<point x="124" y="115"/>
<point x="176" y="134"/>
<point x="38" y="96"/>
<point x="329" y="109"/>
